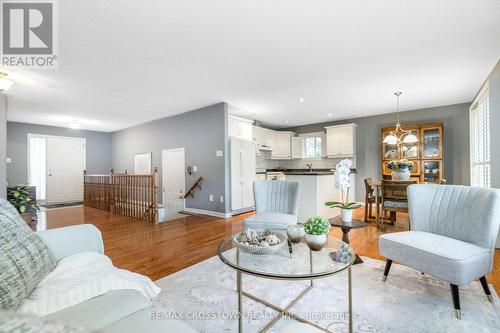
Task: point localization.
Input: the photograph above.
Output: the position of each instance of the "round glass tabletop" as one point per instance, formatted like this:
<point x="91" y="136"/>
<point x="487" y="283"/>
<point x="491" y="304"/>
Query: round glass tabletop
<point x="302" y="264"/>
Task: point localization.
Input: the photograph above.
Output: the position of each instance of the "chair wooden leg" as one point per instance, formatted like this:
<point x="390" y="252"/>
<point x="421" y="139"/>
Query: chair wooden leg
<point x="486" y="288"/>
<point x="388" y="264"/>
<point x="456" y="300"/>
<point x="370" y="211"/>
<point x="366" y="211"/>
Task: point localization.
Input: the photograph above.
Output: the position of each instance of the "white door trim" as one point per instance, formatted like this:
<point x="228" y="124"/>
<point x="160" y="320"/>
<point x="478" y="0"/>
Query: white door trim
<point x="163" y="174"/>
<point x="45" y="136"/>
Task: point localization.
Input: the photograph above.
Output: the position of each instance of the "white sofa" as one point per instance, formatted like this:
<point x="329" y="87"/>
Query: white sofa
<point x="118" y="311"/>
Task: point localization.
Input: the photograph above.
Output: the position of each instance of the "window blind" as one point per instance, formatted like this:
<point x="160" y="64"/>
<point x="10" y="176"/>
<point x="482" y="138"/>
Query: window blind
<point x="480" y="140"/>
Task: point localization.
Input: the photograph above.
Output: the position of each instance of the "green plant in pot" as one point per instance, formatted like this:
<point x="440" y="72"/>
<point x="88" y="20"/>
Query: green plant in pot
<point x="342" y="181"/>
<point x="19" y="196"/>
<point x="316" y="232"/>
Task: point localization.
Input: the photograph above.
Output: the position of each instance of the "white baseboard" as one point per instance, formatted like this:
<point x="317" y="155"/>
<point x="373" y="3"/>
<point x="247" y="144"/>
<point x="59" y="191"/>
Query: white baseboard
<point x="207" y="212"/>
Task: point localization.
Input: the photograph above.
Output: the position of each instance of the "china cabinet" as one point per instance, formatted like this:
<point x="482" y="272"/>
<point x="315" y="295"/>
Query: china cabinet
<point x="426" y="154"/>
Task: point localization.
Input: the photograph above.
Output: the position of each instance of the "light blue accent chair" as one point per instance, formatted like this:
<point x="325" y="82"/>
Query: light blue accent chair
<point x="276" y="204"/>
<point x="452" y="237"/>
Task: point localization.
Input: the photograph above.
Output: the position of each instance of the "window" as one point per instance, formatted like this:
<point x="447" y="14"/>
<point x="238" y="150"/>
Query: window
<point x="312" y="147"/>
<point x="479" y="118"/>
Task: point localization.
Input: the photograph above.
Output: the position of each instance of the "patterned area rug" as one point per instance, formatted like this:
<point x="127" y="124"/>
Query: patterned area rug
<point x="204" y="296"/>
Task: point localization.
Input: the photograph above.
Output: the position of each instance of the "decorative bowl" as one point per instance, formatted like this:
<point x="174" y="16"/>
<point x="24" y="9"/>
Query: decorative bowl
<point x="258" y="249"/>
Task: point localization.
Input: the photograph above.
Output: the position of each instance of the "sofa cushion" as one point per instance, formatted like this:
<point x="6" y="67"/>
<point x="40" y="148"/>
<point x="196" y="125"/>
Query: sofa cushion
<point x="24" y="258"/>
<point x="150" y="320"/>
<point x="15" y="322"/>
<point x="449" y="259"/>
<point x="102" y="311"/>
<point x="270" y="221"/>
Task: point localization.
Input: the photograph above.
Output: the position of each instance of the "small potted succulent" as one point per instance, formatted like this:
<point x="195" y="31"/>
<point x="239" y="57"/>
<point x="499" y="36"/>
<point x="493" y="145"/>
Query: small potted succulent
<point x="19" y="196"/>
<point x="401" y="169"/>
<point x="316" y="232"/>
<point x="342" y="181"/>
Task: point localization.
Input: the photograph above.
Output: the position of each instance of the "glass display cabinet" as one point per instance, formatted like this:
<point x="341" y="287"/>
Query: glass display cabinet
<point x="426" y="154"/>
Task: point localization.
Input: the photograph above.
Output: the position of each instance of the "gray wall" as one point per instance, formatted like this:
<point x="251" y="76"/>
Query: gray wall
<point x="455" y="140"/>
<point x="200" y="132"/>
<point x="98" y="148"/>
<point x="3" y="145"/>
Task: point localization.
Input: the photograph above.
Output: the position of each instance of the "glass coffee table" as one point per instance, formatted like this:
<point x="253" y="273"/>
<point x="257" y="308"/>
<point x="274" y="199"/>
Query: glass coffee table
<point x="302" y="264"/>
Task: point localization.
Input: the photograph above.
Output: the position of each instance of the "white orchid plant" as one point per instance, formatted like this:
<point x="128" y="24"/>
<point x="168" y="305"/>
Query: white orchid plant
<point x="342" y="171"/>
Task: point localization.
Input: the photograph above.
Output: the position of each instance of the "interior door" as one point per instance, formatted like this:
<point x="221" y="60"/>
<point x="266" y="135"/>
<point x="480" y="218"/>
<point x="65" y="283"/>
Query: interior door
<point x="65" y="166"/>
<point x="173" y="180"/>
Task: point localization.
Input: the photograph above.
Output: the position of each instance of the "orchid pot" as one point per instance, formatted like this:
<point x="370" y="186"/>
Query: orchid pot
<point x="346" y="215"/>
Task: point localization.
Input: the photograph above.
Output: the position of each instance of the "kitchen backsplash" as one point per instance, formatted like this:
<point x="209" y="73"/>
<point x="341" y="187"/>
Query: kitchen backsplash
<point x="264" y="161"/>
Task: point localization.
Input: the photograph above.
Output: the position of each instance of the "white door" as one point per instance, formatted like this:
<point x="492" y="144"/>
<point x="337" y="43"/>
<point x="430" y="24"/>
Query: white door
<point x="65" y="166"/>
<point x="173" y="180"/>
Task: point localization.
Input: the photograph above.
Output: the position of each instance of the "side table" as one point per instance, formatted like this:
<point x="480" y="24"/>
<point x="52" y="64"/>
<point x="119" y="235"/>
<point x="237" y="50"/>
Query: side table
<point x="346" y="227"/>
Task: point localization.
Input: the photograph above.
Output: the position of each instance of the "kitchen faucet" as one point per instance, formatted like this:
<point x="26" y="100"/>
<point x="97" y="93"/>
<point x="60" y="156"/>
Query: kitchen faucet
<point x="310" y="165"/>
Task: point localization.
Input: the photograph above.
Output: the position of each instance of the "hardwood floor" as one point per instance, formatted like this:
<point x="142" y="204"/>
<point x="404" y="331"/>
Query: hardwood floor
<point x="157" y="250"/>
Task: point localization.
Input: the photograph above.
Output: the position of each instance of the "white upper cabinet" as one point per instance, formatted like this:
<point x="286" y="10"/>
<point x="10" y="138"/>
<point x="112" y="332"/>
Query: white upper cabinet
<point x="240" y="128"/>
<point x="282" y="147"/>
<point x="341" y="140"/>
<point x="297" y="147"/>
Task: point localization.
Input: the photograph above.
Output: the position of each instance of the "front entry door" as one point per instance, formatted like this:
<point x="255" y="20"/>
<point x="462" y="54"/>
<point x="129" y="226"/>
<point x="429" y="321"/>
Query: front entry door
<point x="173" y="180"/>
<point x="65" y="165"/>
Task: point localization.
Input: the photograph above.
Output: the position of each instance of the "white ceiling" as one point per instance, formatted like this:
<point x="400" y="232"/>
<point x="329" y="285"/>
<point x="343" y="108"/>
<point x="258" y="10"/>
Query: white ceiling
<point x="125" y="62"/>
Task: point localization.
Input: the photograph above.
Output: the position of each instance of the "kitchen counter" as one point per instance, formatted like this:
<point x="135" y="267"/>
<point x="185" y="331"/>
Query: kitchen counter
<point x="309" y="173"/>
<point x="306" y="172"/>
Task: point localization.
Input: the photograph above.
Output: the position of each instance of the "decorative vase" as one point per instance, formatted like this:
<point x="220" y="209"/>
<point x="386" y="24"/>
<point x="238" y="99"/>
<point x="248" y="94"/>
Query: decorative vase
<point x="316" y="242"/>
<point x="401" y="174"/>
<point x="295" y="233"/>
<point x="346" y="215"/>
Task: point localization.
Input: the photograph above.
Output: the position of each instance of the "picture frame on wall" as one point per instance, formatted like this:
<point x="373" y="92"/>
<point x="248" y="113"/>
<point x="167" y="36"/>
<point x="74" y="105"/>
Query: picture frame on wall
<point x="142" y="163"/>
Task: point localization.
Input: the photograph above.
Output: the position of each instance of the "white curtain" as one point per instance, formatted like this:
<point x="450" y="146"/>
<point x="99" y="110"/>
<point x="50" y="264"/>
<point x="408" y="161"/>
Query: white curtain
<point x="37" y="161"/>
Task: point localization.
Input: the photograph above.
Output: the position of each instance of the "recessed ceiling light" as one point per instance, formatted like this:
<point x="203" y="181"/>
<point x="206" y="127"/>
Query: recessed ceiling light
<point x="286" y="121"/>
<point x="329" y="115"/>
<point x="301" y="100"/>
<point x="74" y="124"/>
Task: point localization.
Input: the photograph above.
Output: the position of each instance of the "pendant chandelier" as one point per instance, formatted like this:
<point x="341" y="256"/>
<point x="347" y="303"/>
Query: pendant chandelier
<point x="399" y="135"/>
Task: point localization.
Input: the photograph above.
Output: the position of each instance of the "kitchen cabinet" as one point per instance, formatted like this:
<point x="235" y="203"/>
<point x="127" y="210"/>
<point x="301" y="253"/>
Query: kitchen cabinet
<point x="341" y="140"/>
<point x="240" y="128"/>
<point x="297" y="147"/>
<point x="263" y="138"/>
<point x="282" y="145"/>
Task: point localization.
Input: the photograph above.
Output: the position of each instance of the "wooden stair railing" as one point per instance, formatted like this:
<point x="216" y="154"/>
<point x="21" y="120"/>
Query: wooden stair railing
<point x="196" y="184"/>
<point x="132" y="195"/>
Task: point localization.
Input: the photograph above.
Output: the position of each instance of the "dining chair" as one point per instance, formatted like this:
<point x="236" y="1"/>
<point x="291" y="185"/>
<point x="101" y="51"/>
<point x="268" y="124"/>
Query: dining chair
<point x="370" y="198"/>
<point x="394" y="198"/>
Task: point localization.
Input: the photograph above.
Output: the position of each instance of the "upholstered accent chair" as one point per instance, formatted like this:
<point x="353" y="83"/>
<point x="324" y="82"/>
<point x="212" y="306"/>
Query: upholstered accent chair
<point x="276" y="204"/>
<point x="452" y="237"/>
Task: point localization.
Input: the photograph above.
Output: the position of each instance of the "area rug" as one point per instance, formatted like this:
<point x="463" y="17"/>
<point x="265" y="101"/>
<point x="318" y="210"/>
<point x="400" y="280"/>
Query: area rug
<point x="204" y="296"/>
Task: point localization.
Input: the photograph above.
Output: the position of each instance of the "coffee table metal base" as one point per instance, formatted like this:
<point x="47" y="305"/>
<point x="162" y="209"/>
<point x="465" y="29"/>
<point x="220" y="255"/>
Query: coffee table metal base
<point x="285" y="311"/>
